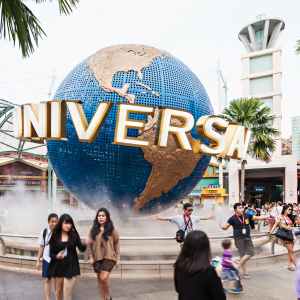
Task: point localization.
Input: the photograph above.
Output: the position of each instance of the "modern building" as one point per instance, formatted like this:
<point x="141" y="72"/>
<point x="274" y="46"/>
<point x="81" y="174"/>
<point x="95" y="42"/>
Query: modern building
<point x="296" y="137"/>
<point x="262" y="78"/>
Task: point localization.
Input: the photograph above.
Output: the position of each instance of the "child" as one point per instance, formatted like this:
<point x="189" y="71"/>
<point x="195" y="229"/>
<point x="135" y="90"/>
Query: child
<point x="229" y="269"/>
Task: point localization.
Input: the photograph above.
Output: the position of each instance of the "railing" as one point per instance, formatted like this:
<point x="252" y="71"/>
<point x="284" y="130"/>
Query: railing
<point x="139" y="238"/>
<point x="160" y="265"/>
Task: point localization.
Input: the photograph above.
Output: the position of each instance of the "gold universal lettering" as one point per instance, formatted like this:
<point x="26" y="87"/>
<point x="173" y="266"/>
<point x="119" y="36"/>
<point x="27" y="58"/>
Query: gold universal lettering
<point x="237" y="140"/>
<point x="87" y="132"/>
<point x="210" y="128"/>
<point x="179" y="132"/>
<point x="36" y="121"/>
<point x="58" y="119"/>
<point x="124" y="122"/>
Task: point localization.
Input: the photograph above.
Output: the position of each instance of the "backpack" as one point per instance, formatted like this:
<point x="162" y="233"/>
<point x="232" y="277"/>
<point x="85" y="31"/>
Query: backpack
<point x="44" y="236"/>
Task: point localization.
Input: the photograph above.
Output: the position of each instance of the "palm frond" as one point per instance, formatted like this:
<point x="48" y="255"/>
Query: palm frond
<point x="255" y="115"/>
<point x="19" y="24"/>
<point x="65" y="6"/>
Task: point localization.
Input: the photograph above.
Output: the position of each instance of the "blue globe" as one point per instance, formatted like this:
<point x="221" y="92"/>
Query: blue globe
<point x="103" y="173"/>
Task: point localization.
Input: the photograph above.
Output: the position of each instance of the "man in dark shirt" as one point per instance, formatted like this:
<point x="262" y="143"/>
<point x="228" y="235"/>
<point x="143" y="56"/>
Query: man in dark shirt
<point x="240" y="223"/>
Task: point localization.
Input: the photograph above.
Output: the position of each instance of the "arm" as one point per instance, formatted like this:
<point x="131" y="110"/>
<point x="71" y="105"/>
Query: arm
<point x="259" y="218"/>
<point x="39" y="256"/>
<point x="80" y="245"/>
<point x="276" y="224"/>
<point x="55" y="251"/>
<point x="225" y="226"/>
<point x="158" y="218"/>
<point x="117" y="245"/>
<point x="90" y="251"/>
<point x="210" y="217"/>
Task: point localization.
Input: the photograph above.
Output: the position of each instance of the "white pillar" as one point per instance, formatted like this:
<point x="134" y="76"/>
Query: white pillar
<point x="290" y="187"/>
<point x="233" y="178"/>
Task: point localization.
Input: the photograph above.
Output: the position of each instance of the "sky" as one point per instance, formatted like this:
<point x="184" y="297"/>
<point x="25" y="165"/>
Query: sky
<point x="199" y="33"/>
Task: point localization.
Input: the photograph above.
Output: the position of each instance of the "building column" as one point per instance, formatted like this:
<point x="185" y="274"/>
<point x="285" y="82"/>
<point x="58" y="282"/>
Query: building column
<point x="290" y="182"/>
<point x="234" y="182"/>
<point x="43" y="182"/>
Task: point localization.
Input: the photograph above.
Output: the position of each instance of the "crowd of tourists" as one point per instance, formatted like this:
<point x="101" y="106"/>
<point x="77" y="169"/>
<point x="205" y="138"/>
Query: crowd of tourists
<point x="281" y="222"/>
<point x="197" y="274"/>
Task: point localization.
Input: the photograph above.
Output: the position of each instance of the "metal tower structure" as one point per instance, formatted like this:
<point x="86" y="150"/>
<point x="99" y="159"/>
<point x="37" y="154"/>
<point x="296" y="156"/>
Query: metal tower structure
<point x="8" y="142"/>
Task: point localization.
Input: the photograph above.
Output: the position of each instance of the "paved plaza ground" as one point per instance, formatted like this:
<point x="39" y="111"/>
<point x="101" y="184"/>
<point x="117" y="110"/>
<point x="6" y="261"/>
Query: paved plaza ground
<point x="272" y="283"/>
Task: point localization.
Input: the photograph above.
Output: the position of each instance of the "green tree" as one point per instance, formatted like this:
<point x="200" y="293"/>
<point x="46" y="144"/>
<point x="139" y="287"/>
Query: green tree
<point x="255" y="115"/>
<point x="19" y="25"/>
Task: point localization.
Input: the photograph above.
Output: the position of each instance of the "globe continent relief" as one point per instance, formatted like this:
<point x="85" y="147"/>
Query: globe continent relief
<point x="102" y="173"/>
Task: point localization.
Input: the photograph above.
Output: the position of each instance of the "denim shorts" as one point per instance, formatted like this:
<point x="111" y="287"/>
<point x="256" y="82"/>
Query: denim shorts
<point x="45" y="269"/>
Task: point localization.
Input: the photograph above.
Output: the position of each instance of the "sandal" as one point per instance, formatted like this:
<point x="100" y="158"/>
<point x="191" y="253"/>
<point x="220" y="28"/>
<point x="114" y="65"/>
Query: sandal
<point x="291" y="268"/>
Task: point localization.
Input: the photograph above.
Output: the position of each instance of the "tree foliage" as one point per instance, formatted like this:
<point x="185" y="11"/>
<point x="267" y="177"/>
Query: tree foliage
<point x="255" y="115"/>
<point x="19" y="24"/>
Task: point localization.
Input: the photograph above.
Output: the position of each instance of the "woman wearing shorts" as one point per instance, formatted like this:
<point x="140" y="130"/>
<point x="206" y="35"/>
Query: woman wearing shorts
<point x="104" y="250"/>
<point x="286" y="223"/>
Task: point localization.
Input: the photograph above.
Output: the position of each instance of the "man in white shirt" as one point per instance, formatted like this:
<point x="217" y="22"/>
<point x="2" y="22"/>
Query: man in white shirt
<point x="44" y="251"/>
<point x="276" y="210"/>
<point x="186" y="222"/>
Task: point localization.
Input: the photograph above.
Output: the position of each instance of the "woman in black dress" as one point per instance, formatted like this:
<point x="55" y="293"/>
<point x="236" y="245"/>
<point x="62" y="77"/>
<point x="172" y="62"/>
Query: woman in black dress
<point x="64" y="266"/>
<point x="195" y="278"/>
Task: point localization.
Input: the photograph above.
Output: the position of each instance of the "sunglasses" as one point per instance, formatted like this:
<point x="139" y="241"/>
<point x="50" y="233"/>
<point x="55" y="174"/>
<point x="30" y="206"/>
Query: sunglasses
<point x="190" y="210"/>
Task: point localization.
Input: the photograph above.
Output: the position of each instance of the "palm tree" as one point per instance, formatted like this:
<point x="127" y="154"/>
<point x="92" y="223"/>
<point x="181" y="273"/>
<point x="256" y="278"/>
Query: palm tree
<point x="19" y="24"/>
<point x="255" y="115"/>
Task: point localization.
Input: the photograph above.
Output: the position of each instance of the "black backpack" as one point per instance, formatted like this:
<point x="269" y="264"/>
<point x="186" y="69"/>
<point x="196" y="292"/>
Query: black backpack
<point x="44" y="236"/>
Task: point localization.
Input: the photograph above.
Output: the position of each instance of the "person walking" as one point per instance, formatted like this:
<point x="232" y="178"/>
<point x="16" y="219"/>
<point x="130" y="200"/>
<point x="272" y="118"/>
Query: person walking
<point x="285" y="234"/>
<point x="230" y="272"/>
<point x="242" y="235"/>
<point x="44" y="253"/>
<point x="104" y="249"/>
<point x="194" y="277"/>
<point x="64" y="266"/>
<point x="186" y="222"/>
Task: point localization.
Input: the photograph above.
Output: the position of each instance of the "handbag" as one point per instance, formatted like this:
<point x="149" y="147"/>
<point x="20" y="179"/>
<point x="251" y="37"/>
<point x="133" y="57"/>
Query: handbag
<point x="284" y="234"/>
<point x="180" y="234"/>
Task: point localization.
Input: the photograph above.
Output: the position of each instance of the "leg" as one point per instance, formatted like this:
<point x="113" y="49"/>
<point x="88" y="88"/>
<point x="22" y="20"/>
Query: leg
<point x="243" y="262"/>
<point x="291" y="257"/>
<point x="68" y="287"/>
<point x="99" y="285"/>
<point x="104" y="283"/>
<point x="59" y="286"/>
<point x="47" y="288"/>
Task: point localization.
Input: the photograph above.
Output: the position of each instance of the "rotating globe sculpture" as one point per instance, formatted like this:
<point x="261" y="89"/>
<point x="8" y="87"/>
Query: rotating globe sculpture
<point x="102" y="173"/>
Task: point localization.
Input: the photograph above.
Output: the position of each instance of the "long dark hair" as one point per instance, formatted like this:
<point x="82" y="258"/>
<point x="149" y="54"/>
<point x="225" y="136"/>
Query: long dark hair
<point x="195" y="254"/>
<point x="57" y="231"/>
<point x="284" y="208"/>
<point x="108" y="226"/>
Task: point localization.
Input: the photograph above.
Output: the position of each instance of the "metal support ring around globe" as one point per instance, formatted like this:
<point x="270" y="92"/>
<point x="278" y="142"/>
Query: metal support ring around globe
<point x="105" y="174"/>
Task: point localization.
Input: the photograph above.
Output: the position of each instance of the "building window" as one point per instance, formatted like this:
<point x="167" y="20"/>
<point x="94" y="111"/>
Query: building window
<point x="259" y="36"/>
<point x="262" y="85"/>
<point x="261" y="64"/>
<point x="268" y="102"/>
